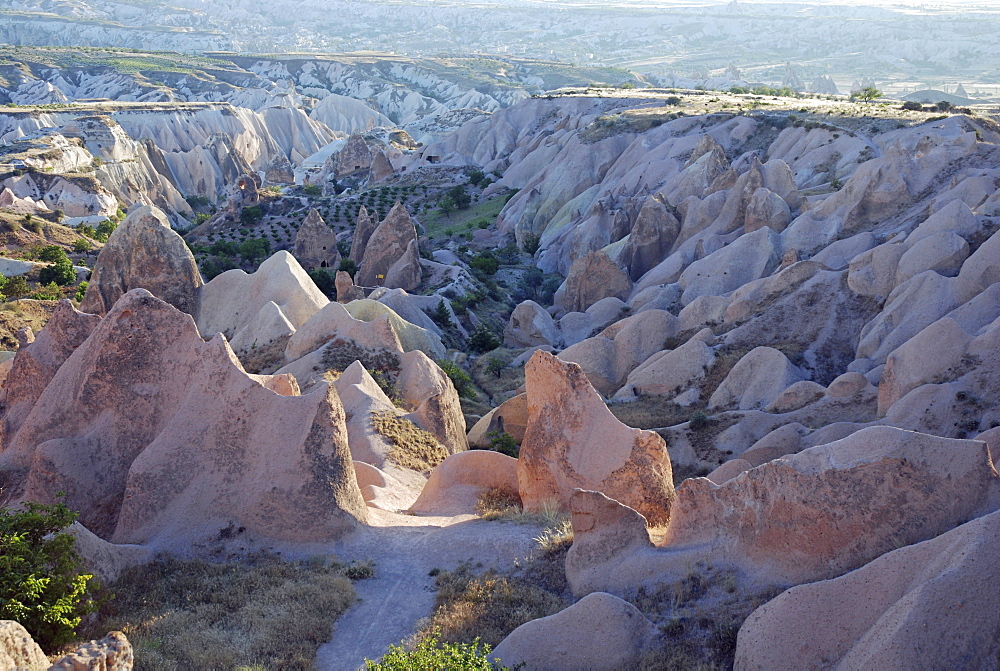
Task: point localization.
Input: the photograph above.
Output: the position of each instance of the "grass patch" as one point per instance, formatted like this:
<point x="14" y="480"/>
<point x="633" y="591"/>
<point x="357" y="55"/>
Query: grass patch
<point x="266" y="359"/>
<point x="498" y="503"/>
<point x="261" y="612"/>
<point x="413" y="447"/>
<point x="486" y="607"/>
<point x="436" y="222"/>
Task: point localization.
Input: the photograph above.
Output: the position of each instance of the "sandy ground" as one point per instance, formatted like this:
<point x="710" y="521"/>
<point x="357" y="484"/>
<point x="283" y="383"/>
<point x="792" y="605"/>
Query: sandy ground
<point x="405" y="548"/>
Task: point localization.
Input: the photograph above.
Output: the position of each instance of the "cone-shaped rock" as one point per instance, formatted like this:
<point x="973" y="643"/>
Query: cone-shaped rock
<point x="573" y="441"/>
<point x="363" y="229"/>
<point x="144" y="253"/>
<point x="654" y="233"/>
<point x="592" y="278"/>
<point x="391" y="255"/>
<point x="159" y="437"/>
<point x="316" y="243"/>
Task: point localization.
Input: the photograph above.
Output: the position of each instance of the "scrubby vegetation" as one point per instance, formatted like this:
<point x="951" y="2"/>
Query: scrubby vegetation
<point x="413" y="447"/>
<point x="261" y="612"/>
<point x="42" y="582"/>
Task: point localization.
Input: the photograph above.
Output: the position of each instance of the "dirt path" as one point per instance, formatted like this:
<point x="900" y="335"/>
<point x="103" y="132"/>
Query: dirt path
<point x="405" y="549"/>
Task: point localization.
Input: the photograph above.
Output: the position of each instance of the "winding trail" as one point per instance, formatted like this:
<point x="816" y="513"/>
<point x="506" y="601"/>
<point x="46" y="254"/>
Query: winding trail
<point x="405" y="548"/>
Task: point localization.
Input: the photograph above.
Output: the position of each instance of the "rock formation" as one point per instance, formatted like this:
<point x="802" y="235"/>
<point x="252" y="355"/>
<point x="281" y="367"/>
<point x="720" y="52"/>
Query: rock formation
<point x="530" y="325"/>
<point x="144" y="253"/>
<point x="455" y="485"/>
<point x="316" y="243"/>
<point x="18" y="650"/>
<point x="590" y="279"/>
<point x="347" y="290"/>
<point x="116" y="456"/>
<point x="653" y="235"/>
<point x="363" y="229"/>
<point x="353" y="158"/>
<point x="600" y="632"/>
<point x="391" y="255"/>
<point x="929" y="605"/>
<point x="572" y="440"/>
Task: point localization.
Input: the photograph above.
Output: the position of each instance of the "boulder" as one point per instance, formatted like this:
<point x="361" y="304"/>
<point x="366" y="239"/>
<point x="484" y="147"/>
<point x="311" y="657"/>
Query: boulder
<point x="600" y="632"/>
<point x="18" y="650"/>
<point x="144" y="252"/>
<point x="782" y="441"/>
<point x="704" y="311"/>
<point x="347" y="291"/>
<point x="847" y="385"/>
<point x="797" y="396"/>
<point x="591" y="278"/>
<point x="766" y="208"/>
<point x="572" y="440"/>
<point x="455" y="485"/>
<point x="361" y="398"/>
<point x="864" y="495"/>
<point x="277" y="466"/>
<point x="424" y="387"/>
<point x="530" y="325"/>
<point x="391" y="255"/>
<point x="729" y="470"/>
<point x="931" y="605"/>
<point x="231" y="300"/>
<point x="111" y="653"/>
<point x="316" y="243"/>
<point x="873" y="273"/>
<point x="667" y="372"/>
<point x="756" y="380"/>
<point x="943" y="252"/>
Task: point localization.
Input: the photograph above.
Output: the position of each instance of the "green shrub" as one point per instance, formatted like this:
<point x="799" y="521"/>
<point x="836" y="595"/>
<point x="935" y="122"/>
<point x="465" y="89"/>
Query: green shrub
<point x="325" y="280"/>
<point x="504" y="443"/>
<point x="48" y="292"/>
<point x="312" y="190"/>
<point x="81" y="291"/>
<point x="485" y="263"/>
<point x="254" y="249"/>
<point x="104" y="230"/>
<point x="530" y="243"/>
<point x="459" y="378"/>
<point x="912" y="106"/>
<point x="82" y="245"/>
<point x="699" y="420"/>
<point x="252" y="215"/>
<point x="41" y="585"/>
<point x="483" y="340"/>
<point x="52" y="254"/>
<point x="432" y="655"/>
<point x="60" y="273"/>
<point x="16" y="287"/>
<point x="348" y="266"/>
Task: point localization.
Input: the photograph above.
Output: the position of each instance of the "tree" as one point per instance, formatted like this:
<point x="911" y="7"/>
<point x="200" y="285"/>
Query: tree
<point x="41" y="583"/>
<point x="52" y="254"/>
<point x="104" y="230"/>
<point x="16" y="287"/>
<point x="252" y="215"/>
<point x="458" y="377"/>
<point x="60" y="272"/>
<point x="325" y="281"/>
<point x="483" y="340"/>
<point x="912" y="106"/>
<point x="476" y="177"/>
<point x="461" y="197"/>
<point x="944" y="106"/>
<point x="348" y="266"/>
<point x="254" y="249"/>
<point x="496" y="365"/>
<point x="867" y="94"/>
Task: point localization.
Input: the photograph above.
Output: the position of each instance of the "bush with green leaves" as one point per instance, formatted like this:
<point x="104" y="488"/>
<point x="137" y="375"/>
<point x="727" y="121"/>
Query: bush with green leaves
<point x="41" y="582"/>
<point x="254" y="249"/>
<point x="104" y="230"/>
<point x="530" y="243"/>
<point x="82" y="245"/>
<point x="61" y="272"/>
<point x="325" y="281"/>
<point x="458" y="377"/>
<point x="483" y="340"/>
<point x="504" y="443"/>
<point x="485" y="263"/>
<point x="432" y="655"/>
<point x="348" y="266"/>
<point x="251" y="215"/>
<point x="16" y="287"/>
<point x="52" y="254"/>
<point x="81" y="291"/>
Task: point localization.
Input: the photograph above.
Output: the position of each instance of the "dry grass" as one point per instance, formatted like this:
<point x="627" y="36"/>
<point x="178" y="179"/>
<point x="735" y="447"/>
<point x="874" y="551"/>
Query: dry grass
<point x="413" y="447"/>
<point x="266" y="359"/>
<point x="15" y="315"/>
<point x="488" y="606"/>
<point x="699" y="617"/>
<point x="259" y="613"/>
<point x="497" y="503"/>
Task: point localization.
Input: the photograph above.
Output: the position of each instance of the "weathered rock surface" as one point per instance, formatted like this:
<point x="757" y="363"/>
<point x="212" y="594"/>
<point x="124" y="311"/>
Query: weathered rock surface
<point x="864" y="495"/>
<point x="756" y="380"/>
<point x="347" y="291"/>
<point x="234" y="298"/>
<point x="653" y="234"/>
<point x="600" y="632"/>
<point x="510" y="417"/>
<point x="111" y="653"/>
<point x="391" y="255"/>
<point x="144" y="253"/>
<point x="268" y="325"/>
<point x="316" y="243"/>
<point x="18" y="650"/>
<point x="670" y="371"/>
<point x="277" y="466"/>
<point x="748" y="258"/>
<point x="455" y="485"/>
<point x="423" y="386"/>
<point x="590" y="279"/>
<point x="929" y="605"/>
<point x="363" y="229"/>
<point x="530" y="325"/>
<point x="335" y="322"/>
<point x="573" y="441"/>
